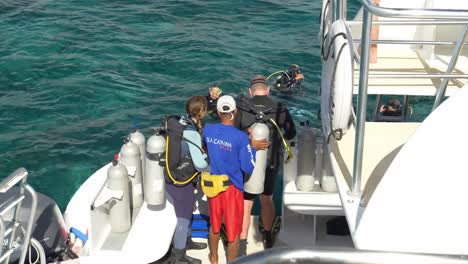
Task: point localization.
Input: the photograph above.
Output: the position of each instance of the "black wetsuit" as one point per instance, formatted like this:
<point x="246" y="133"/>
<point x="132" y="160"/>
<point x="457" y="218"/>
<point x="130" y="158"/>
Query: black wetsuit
<point x="277" y="111"/>
<point x="211" y="105"/>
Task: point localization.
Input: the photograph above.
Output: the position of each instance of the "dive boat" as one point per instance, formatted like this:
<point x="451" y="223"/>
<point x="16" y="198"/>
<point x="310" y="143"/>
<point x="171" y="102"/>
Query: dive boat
<point x="356" y="191"/>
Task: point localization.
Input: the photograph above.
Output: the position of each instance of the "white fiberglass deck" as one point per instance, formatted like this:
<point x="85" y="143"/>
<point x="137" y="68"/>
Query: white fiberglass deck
<point x="405" y="60"/>
<point x="382" y="142"/>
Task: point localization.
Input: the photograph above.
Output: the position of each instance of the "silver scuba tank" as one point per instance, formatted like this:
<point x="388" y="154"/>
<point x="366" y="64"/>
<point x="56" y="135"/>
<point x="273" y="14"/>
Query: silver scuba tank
<point x="119" y="209"/>
<point x="290" y="167"/>
<point x="255" y="183"/>
<point x="305" y="180"/>
<point x="130" y="158"/>
<point x="154" y="184"/>
<point x="139" y="139"/>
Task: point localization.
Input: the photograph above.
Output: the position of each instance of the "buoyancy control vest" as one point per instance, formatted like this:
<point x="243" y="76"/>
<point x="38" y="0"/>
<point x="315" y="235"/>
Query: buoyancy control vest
<point x="178" y="161"/>
<point x="275" y="115"/>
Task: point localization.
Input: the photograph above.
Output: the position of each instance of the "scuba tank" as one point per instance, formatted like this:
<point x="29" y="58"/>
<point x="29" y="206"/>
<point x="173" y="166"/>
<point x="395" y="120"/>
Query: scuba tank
<point x="290" y="167"/>
<point x="139" y="139"/>
<point x="305" y="180"/>
<point x="130" y="158"/>
<point x="154" y="184"/>
<point x="254" y="184"/>
<point x="119" y="209"/>
<point x="328" y="182"/>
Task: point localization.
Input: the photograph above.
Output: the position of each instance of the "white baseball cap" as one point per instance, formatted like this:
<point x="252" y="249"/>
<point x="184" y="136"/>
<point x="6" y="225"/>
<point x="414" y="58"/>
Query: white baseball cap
<point x="226" y="104"/>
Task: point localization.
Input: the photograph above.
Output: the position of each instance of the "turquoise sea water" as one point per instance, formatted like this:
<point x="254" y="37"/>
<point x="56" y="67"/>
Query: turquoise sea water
<point x="75" y="75"/>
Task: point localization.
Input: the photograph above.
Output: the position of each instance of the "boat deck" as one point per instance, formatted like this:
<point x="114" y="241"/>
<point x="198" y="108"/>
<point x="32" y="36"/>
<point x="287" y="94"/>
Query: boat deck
<point x="380" y="148"/>
<point x="303" y="238"/>
<point x="405" y="60"/>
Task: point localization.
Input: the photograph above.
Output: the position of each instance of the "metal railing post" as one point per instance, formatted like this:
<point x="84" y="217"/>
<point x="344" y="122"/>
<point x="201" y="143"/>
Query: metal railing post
<point x="340" y="10"/>
<point x="453" y="61"/>
<point x="362" y="102"/>
<point x="27" y="236"/>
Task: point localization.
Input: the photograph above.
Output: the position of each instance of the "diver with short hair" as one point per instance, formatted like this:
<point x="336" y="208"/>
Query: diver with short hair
<point x="281" y="126"/>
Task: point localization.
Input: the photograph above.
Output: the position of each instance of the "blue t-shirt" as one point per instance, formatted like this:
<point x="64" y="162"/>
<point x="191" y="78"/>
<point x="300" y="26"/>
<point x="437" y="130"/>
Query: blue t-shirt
<point x="229" y="151"/>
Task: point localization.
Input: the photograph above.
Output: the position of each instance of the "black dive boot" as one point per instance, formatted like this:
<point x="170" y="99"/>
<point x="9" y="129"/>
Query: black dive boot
<point x="182" y="258"/>
<point x="267" y="239"/>
<point x="195" y="245"/>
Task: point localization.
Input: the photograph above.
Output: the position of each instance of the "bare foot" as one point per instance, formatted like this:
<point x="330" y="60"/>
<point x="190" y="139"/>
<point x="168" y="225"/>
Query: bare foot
<point x="213" y="259"/>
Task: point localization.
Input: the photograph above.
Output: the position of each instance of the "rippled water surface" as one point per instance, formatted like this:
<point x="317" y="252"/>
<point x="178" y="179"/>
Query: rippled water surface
<point x="75" y="75"/>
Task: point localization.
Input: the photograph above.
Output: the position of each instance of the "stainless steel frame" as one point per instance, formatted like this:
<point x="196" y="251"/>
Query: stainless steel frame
<point x="342" y="256"/>
<point x="18" y="177"/>
<point x="369" y="9"/>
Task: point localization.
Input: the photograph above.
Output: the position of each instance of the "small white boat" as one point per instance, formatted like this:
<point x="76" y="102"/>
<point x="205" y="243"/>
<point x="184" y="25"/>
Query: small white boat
<point x="401" y="186"/>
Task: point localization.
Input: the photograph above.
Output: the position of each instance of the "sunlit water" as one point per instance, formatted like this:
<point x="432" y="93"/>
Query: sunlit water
<point x="76" y="75"/>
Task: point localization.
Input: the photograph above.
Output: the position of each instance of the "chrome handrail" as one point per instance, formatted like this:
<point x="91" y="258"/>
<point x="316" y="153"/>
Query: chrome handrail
<point x="453" y="61"/>
<point x="369" y="9"/>
<point x="420" y="22"/>
<point x="18" y="177"/>
<point x="409" y="42"/>
<point x="343" y="256"/>
<point x="414" y="12"/>
<point x="362" y="103"/>
<point x="417" y="76"/>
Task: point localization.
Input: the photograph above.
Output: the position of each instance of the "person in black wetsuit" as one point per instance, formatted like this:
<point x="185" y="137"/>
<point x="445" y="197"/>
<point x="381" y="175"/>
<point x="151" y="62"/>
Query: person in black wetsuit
<point x="392" y="108"/>
<point x="290" y="80"/>
<point x="247" y="115"/>
<point x="212" y="98"/>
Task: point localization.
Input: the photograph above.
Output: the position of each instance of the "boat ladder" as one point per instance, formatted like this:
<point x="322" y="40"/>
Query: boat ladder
<point x="13" y="234"/>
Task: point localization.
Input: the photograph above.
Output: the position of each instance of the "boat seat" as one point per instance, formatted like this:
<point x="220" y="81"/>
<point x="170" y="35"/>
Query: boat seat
<point x="311" y="203"/>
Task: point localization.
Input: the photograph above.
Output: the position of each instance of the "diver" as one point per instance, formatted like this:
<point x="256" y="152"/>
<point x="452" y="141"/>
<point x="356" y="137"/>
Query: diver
<point x="392" y="108"/>
<point x="288" y="81"/>
<point x="183" y="163"/>
<point x="212" y="98"/>
<point x="261" y="107"/>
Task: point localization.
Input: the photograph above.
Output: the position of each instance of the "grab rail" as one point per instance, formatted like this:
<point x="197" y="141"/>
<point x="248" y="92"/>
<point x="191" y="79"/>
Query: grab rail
<point x="407" y="42"/>
<point x="369" y="9"/>
<point x="453" y="61"/>
<point x="420" y="22"/>
<point x="414" y="12"/>
<point x="343" y="256"/>
<point x="18" y="177"/>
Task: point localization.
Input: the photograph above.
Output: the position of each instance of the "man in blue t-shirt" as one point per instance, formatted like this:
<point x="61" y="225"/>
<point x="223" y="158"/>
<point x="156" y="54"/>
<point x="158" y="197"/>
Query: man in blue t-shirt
<point x="230" y="153"/>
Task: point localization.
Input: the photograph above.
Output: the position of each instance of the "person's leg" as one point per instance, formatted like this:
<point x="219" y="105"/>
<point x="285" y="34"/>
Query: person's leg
<point x="216" y="216"/>
<point x="183" y="200"/>
<point x="248" y="204"/>
<point x="180" y="234"/>
<point x="374" y="36"/>
<point x="268" y="211"/>
<point x="234" y="208"/>
<point x="213" y="243"/>
<point x="233" y="249"/>
<point x="192" y="245"/>
<point x="180" y="242"/>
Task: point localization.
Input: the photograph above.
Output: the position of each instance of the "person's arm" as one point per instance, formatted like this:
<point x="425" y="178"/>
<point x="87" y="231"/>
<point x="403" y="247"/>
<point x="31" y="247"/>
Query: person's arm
<point x="247" y="156"/>
<point x="383" y="108"/>
<point x="198" y="157"/>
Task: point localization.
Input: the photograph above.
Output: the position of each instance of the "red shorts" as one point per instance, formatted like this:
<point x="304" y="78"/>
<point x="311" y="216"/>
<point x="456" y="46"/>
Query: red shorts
<point x="228" y="205"/>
